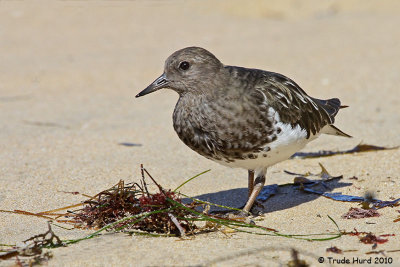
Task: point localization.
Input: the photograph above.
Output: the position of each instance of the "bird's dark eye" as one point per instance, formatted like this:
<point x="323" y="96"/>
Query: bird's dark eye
<point x="184" y="65"/>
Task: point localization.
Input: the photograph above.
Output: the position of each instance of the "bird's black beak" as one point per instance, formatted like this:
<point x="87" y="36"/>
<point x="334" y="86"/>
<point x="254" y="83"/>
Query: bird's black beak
<point x="160" y="82"/>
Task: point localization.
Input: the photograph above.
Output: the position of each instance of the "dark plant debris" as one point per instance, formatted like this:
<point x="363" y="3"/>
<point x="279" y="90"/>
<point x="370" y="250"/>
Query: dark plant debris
<point x="357" y="213"/>
<point x="327" y="153"/>
<point x="32" y="252"/>
<point x="373" y="239"/>
<point x="355" y="233"/>
<point x="121" y="201"/>
<point x="369" y="238"/>
<point x="334" y="250"/>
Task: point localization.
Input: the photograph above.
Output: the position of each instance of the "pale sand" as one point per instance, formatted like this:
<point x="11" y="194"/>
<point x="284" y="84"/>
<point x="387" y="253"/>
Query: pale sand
<point x="69" y="71"/>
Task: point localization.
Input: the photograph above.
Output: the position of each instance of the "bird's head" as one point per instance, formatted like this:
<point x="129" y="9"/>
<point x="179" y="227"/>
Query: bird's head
<point x="185" y="71"/>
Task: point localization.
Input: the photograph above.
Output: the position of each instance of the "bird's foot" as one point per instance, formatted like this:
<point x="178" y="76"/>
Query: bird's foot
<point x="256" y="210"/>
<point x="240" y="216"/>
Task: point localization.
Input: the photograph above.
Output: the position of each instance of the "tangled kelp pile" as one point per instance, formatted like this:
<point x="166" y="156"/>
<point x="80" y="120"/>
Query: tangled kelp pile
<point x="147" y="212"/>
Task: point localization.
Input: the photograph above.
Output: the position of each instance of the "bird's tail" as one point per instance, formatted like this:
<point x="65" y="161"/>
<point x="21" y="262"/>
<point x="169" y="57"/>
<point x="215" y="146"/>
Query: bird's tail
<point x="332" y="107"/>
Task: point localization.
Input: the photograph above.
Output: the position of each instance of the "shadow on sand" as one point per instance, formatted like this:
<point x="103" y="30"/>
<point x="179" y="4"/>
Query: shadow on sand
<point x="287" y="196"/>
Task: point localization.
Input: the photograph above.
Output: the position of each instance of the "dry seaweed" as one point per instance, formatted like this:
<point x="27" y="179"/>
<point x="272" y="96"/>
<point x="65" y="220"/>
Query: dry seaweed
<point x="334" y="250"/>
<point x="121" y="201"/>
<point x="373" y="239"/>
<point x="368" y="237"/>
<point x="32" y="251"/>
<point x="354" y="233"/>
<point x="327" y="153"/>
<point x="357" y="213"/>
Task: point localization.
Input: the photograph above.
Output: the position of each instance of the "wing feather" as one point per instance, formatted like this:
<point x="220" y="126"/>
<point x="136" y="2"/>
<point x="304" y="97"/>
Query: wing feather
<point x="295" y="106"/>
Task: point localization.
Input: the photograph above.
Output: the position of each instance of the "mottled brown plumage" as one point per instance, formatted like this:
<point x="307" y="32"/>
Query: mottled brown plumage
<point x="241" y="117"/>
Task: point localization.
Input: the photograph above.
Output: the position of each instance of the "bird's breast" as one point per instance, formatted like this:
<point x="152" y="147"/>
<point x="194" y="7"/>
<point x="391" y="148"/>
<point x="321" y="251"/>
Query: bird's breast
<point x="224" y="130"/>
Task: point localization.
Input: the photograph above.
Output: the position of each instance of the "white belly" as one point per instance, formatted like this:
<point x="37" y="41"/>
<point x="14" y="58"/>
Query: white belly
<point x="289" y="141"/>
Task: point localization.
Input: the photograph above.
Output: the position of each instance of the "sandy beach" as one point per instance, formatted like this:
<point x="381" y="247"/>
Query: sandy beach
<point x="69" y="71"/>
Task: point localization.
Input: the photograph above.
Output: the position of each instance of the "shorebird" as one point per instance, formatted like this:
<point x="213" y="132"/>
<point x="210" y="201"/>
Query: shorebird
<point x="241" y="117"/>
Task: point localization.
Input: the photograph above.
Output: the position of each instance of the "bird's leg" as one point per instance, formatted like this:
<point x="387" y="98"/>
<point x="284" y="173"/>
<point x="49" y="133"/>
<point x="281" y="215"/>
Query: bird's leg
<point x="251" y="182"/>
<point x="258" y="185"/>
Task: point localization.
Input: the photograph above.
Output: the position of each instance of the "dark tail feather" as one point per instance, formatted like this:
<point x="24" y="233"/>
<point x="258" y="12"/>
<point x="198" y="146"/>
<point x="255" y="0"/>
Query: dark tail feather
<point x="331" y="106"/>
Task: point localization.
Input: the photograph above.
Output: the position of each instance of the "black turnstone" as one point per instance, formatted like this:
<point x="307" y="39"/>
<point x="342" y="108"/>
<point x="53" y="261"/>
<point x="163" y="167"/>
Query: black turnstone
<point x="240" y="117"/>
